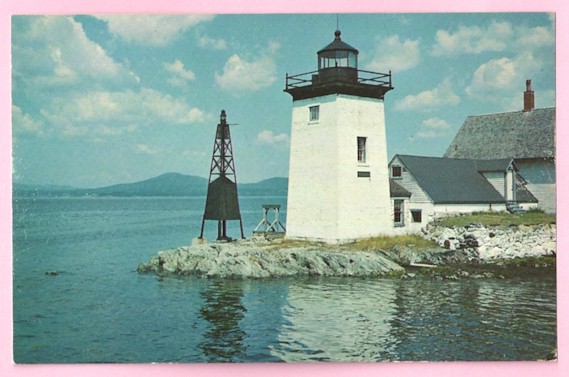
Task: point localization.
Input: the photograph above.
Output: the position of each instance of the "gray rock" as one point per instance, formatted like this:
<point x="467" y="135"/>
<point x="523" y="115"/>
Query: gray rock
<point x="247" y="259"/>
<point x="495" y="242"/>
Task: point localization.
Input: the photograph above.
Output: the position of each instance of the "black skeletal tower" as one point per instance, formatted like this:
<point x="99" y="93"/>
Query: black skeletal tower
<point x="222" y="203"/>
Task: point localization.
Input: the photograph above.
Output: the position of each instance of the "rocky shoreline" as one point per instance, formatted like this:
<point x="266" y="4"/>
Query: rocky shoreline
<point x="473" y="251"/>
<point x="259" y="259"/>
<point x="496" y="242"/>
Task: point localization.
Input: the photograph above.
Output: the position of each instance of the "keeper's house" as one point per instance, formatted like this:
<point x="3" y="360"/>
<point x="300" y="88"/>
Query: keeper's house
<point x="424" y="188"/>
<point x="527" y="137"/>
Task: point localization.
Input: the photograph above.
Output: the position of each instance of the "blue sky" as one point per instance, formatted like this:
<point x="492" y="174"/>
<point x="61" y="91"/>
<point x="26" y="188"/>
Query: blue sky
<point x="99" y="100"/>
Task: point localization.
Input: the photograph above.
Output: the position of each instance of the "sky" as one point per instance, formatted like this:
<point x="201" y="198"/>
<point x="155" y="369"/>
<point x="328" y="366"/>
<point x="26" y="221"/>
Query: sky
<point x="105" y="99"/>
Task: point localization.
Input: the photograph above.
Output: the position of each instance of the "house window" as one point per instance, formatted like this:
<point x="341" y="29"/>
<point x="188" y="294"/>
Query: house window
<point x="314" y="113"/>
<point x="416" y="215"/>
<point x="361" y="149"/>
<point x="398" y="212"/>
<point x="364" y="174"/>
<point x="396" y="171"/>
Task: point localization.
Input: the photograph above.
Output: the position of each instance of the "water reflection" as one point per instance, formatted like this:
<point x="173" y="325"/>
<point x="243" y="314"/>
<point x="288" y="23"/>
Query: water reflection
<point x="223" y="310"/>
<point x="471" y="320"/>
<point x="415" y="320"/>
<point x="337" y="320"/>
<point x="264" y="302"/>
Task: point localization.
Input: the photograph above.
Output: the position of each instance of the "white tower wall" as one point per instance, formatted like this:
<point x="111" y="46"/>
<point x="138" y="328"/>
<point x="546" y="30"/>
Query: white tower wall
<point x="327" y="201"/>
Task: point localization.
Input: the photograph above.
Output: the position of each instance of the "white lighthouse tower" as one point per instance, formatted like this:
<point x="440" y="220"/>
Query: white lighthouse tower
<point x="338" y="178"/>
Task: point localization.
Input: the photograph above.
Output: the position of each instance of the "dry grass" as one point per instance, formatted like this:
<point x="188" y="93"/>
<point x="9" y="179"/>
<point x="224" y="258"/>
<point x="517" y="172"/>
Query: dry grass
<point x="387" y="242"/>
<point x="289" y="244"/>
<point x="374" y="243"/>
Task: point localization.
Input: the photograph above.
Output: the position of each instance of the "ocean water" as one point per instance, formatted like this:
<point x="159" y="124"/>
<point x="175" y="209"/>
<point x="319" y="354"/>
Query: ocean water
<point x="79" y="299"/>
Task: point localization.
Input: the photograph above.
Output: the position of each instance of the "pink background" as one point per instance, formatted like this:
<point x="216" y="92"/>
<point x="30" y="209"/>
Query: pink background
<point x="14" y="7"/>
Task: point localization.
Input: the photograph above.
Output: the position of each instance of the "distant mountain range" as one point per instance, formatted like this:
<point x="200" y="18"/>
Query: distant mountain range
<point x="169" y="184"/>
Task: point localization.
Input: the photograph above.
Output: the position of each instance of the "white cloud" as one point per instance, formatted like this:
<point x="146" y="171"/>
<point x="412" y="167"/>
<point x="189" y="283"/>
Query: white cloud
<point x="242" y="75"/>
<point x="496" y="37"/>
<point x="54" y="52"/>
<point x="268" y="137"/>
<point x="499" y="76"/>
<point x="216" y="44"/>
<point x="157" y="30"/>
<point x="78" y="89"/>
<point x="536" y="37"/>
<point x="178" y="69"/>
<point x="473" y="39"/>
<point x="393" y="54"/>
<point x="196" y="115"/>
<point x="427" y="100"/>
<point x="433" y="128"/>
<point x="179" y="75"/>
<point x="436" y="123"/>
<point x="22" y="122"/>
<point x="146" y="149"/>
<point x="115" y="113"/>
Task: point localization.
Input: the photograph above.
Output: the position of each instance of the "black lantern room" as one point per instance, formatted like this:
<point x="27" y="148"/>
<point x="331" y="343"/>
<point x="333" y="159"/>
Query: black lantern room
<point x="338" y="61"/>
<point x="338" y="73"/>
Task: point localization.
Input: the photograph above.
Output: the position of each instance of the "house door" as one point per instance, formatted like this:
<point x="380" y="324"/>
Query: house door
<point x="510" y="185"/>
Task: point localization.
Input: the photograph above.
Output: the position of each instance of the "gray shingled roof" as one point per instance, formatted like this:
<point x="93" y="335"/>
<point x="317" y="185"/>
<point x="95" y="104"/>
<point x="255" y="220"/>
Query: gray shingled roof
<point x="456" y="181"/>
<point x="397" y="191"/>
<point x="516" y="134"/>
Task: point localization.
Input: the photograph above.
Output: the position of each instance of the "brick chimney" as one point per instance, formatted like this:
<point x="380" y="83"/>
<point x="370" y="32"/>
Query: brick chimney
<point x="529" y="103"/>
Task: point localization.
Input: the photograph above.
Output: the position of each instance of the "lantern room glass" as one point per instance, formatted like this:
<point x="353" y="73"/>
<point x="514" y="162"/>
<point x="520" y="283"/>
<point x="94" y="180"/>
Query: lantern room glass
<point x="337" y="58"/>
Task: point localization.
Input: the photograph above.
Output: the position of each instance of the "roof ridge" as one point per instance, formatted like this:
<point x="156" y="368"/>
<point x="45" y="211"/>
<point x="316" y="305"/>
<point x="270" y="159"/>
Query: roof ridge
<point x="454" y="158"/>
<point x="512" y="112"/>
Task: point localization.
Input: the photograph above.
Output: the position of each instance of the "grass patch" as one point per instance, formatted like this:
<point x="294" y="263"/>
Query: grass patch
<point x="498" y="218"/>
<point x="387" y="242"/>
<point x="375" y="243"/>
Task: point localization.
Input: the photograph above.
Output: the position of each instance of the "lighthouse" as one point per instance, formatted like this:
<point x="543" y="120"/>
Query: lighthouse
<point x="338" y="188"/>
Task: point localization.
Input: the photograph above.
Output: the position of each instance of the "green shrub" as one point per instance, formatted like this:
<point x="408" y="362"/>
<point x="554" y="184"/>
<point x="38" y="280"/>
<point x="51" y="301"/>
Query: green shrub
<point x="535" y="210"/>
<point x="498" y="218"/>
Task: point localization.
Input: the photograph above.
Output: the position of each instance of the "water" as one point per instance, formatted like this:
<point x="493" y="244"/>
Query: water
<point x="97" y="308"/>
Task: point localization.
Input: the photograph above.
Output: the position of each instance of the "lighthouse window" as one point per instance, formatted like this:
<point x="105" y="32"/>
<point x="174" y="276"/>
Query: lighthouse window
<point x="361" y="149"/>
<point x="314" y="113"/>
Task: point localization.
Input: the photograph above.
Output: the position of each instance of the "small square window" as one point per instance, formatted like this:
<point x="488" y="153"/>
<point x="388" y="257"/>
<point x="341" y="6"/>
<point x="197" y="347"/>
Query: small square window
<point x="396" y="171"/>
<point x="314" y="113"/>
<point x="416" y="215"/>
<point x="361" y="149"/>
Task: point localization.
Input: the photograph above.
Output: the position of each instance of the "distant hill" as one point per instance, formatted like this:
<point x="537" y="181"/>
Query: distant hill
<point x="169" y="184"/>
<point x="269" y="187"/>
